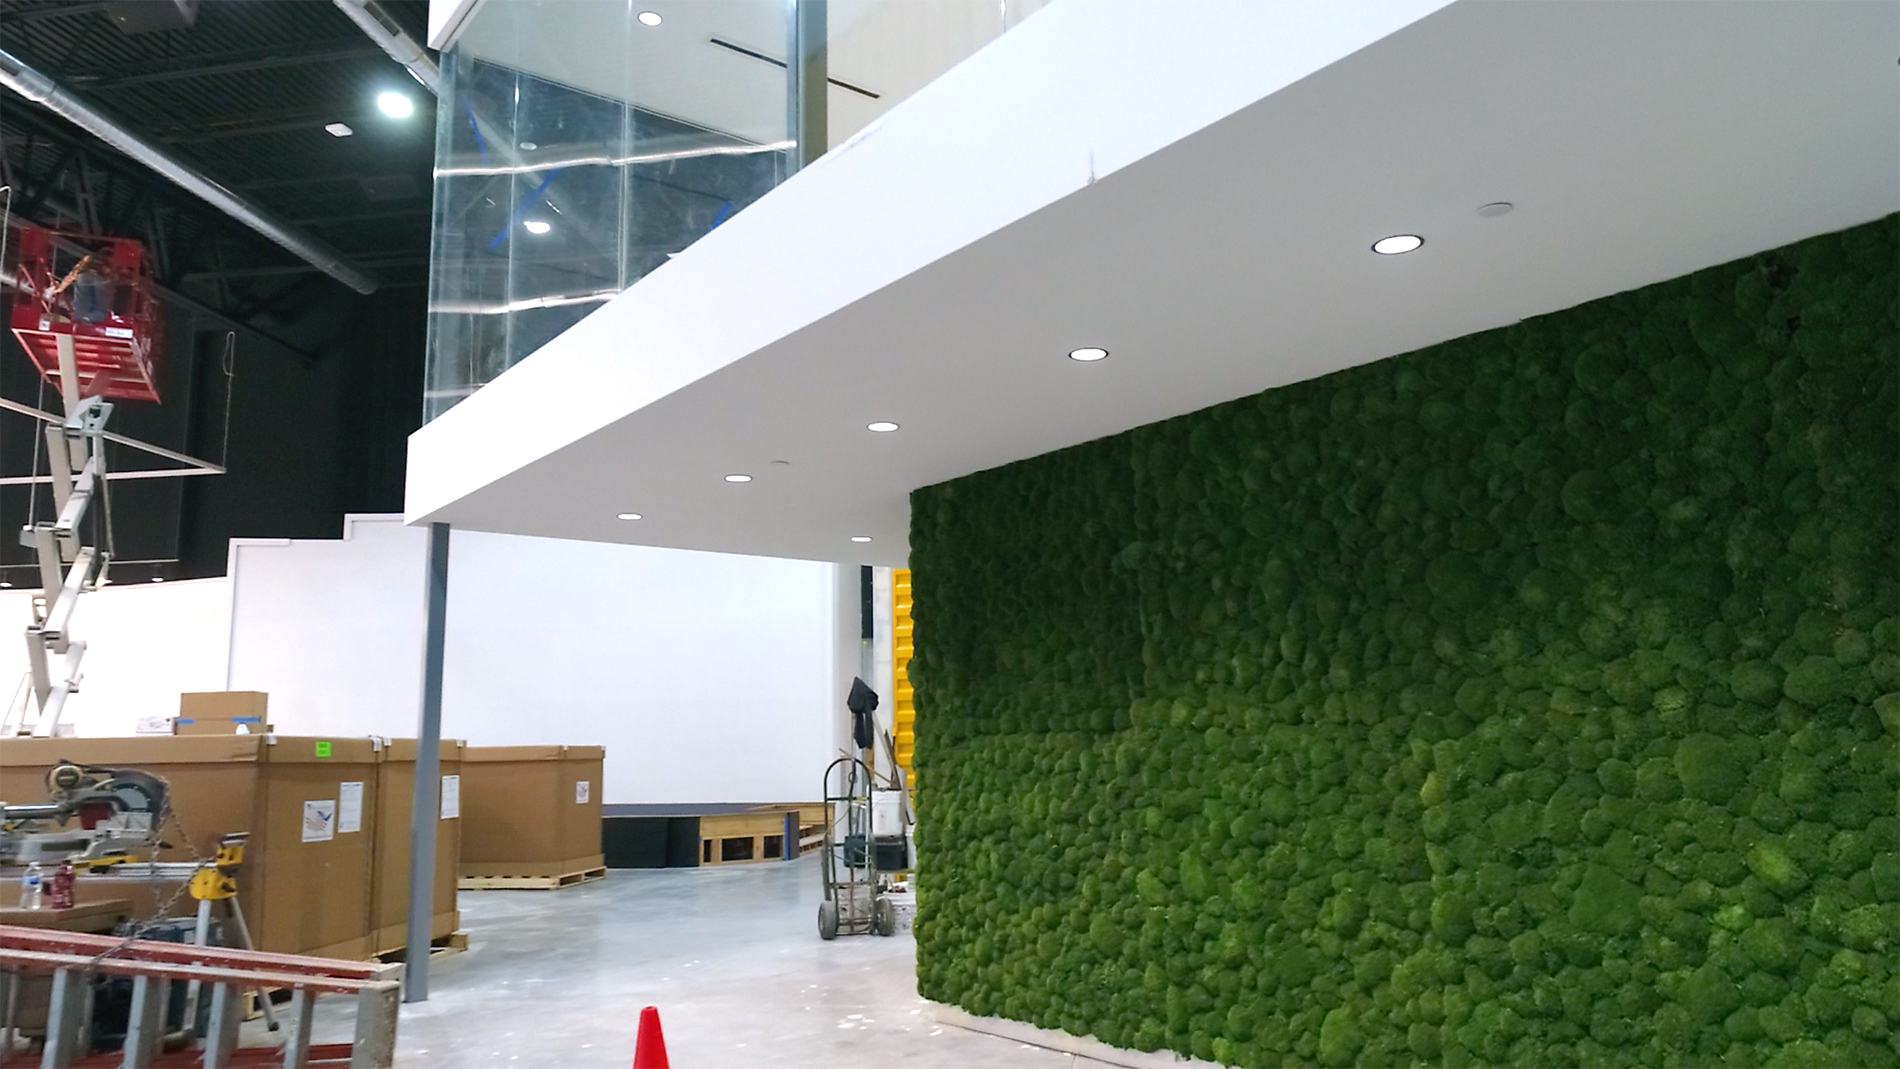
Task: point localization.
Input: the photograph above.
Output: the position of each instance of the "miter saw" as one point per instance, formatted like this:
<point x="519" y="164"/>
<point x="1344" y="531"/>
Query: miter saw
<point x="119" y="812"/>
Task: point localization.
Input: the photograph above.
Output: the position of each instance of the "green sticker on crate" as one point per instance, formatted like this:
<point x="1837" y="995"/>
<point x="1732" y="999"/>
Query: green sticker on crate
<point x="323" y="749"/>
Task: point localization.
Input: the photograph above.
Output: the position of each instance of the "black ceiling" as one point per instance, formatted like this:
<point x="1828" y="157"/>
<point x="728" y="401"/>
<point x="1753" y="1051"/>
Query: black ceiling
<point x="327" y="383"/>
<point x="244" y="94"/>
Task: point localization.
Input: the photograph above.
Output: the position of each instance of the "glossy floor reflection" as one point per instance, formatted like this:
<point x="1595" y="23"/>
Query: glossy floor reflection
<point x="731" y="956"/>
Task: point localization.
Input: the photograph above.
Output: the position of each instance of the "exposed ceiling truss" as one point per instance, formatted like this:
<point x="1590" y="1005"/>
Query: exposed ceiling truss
<point x="243" y="95"/>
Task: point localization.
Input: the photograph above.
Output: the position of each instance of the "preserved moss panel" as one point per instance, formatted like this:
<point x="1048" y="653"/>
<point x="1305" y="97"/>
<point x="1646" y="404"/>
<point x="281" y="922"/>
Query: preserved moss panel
<point x="1532" y="699"/>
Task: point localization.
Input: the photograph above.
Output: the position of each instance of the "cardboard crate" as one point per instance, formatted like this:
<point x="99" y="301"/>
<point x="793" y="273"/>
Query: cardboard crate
<point x="309" y="805"/>
<point x="223" y="712"/>
<point x="531" y="811"/>
<point x="396" y="784"/>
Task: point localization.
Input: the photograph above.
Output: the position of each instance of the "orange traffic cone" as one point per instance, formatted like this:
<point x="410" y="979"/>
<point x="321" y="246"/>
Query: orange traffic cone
<point x="649" y="1049"/>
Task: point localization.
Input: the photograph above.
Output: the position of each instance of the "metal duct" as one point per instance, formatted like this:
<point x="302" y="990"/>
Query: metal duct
<point x="31" y="84"/>
<point x="393" y="39"/>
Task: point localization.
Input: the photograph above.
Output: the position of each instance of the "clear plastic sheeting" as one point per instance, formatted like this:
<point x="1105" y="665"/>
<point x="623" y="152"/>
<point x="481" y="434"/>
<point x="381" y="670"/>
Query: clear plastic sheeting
<point x="581" y="143"/>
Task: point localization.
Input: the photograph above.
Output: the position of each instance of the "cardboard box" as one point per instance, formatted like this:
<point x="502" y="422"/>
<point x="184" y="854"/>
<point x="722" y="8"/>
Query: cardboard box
<point x="531" y="810"/>
<point x="396" y="784"/>
<point x="219" y="712"/>
<point x="308" y="804"/>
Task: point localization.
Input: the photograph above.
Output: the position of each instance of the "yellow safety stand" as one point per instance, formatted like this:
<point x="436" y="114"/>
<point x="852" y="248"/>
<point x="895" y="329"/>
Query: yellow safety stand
<point x="217" y="882"/>
<point x="213" y="883"/>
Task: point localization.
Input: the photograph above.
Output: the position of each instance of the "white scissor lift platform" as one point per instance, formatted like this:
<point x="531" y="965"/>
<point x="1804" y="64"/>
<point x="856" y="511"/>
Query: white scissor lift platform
<point x="68" y="566"/>
<point x="85" y="312"/>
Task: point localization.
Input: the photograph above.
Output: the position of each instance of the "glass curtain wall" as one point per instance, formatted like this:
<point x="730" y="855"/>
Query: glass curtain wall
<point x="574" y="154"/>
<point x="581" y="143"/>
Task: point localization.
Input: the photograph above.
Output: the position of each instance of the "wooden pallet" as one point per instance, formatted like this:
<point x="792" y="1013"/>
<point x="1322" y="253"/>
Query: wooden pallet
<point x="530" y="883"/>
<point x="452" y="943"/>
<point x="757" y="835"/>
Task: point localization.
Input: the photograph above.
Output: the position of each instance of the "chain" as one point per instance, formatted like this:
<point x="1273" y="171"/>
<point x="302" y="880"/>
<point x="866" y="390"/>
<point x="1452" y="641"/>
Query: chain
<point x="162" y="913"/>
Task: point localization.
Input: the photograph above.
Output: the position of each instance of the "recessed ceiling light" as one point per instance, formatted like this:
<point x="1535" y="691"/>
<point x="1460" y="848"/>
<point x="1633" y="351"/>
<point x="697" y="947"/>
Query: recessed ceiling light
<point x="738" y="478"/>
<point x="626" y="516"/>
<point x="883" y="426"/>
<point x="1396" y="244"/>
<point x="1495" y="209"/>
<point x="529" y="146"/>
<point x="860" y="538"/>
<point x="338" y="129"/>
<point x="1088" y="355"/>
<point x="4" y="585"/>
<point x="650" y="18"/>
<point x="158" y="578"/>
<point x="395" y="105"/>
<point x="536" y="226"/>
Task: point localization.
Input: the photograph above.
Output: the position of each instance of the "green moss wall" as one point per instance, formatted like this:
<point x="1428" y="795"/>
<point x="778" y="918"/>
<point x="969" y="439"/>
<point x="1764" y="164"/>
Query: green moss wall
<point x="1527" y="700"/>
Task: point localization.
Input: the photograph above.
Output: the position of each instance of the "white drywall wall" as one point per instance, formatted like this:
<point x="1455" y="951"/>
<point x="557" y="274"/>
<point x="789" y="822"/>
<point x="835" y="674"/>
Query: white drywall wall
<point x="708" y="677"/>
<point x="145" y="644"/>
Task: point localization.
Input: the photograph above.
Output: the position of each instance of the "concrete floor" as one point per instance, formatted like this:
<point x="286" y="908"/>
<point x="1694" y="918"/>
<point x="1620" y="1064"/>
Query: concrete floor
<point x="731" y="956"/>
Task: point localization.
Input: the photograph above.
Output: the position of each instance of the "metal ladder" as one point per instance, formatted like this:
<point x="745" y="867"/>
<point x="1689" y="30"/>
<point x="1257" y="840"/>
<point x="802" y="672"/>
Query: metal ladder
<point x="72" y="959"/>
<point x="76" y="454"/>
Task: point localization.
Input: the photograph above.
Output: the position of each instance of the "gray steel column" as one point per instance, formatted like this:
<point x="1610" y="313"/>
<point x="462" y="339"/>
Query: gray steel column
<point x="807" y="80"/>
<point x="428" y="796"/>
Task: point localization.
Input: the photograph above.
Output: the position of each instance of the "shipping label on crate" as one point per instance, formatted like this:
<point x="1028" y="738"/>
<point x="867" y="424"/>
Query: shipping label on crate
<point x="319" y="820"/>
<point x="583" y="789"/>
<point x="349" y="808"/>
<point x="451" y="797"/>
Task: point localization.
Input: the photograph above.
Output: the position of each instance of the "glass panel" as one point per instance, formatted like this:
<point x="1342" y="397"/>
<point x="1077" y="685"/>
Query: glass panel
<point x="580" y="143"/>
<point x="576" y="149"/>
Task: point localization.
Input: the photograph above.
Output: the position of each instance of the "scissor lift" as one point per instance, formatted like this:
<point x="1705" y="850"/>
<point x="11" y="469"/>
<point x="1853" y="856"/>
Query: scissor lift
<point x="100" y="302"/>
<point x="87" y="317"/>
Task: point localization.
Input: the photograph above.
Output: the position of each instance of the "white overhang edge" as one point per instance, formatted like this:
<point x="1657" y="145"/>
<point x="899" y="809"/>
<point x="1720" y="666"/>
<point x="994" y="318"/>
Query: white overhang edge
<point x="1071" y="95"/>
<point x="446" y="19"/>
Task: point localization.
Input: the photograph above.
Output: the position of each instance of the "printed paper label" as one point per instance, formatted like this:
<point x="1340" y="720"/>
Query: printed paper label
<point x="582" y="790"/>
<point x="319" y="820"/>
<point x="349" y="808"/>
<point x="451" y="797"/>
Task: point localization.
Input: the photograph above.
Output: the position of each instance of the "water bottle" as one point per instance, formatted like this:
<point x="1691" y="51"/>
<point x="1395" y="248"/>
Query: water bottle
<point x="32" y="885"/>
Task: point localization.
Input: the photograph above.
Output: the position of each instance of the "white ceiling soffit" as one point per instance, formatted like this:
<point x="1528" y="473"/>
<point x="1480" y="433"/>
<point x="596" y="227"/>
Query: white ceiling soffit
<point x="1041" y="197"/>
